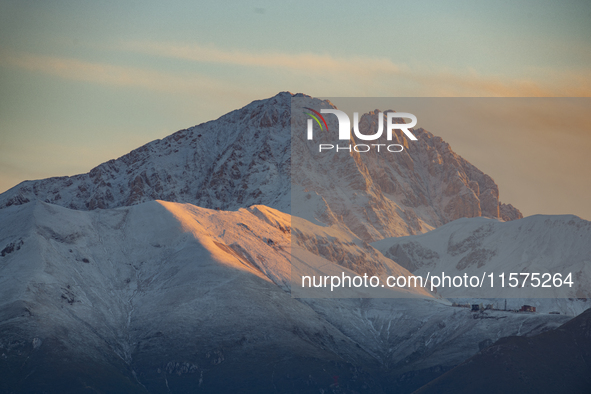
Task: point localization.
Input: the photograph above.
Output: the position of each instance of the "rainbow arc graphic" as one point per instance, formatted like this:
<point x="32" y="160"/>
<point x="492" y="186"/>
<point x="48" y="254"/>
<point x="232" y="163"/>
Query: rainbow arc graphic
<point x="316" y="115"/>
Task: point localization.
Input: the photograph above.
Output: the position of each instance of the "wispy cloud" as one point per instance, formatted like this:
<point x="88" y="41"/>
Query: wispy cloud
<point x="567" y="84"/>
<point x="381" y="75"/>
<point x="299" y="62"/>
<point x="114" y="75"/>
<point x="317" y="74"/>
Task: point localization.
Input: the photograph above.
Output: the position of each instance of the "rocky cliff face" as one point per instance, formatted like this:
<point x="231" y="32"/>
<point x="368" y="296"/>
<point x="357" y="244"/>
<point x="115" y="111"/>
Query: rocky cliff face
<point x="384" y="194"/>
<point x="245" y="158"/>
<point x="240" y="159"/>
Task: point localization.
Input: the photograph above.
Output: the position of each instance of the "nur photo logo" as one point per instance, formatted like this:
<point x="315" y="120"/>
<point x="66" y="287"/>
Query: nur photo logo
<point x="344" y="133"/>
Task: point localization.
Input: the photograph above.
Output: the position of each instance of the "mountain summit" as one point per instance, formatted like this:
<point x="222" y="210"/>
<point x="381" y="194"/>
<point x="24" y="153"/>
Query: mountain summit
<point x="244" y="159"/>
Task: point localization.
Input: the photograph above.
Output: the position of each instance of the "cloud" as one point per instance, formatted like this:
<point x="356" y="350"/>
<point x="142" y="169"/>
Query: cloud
<point x="381" y="75"/>
<point x="316" y="74"/>
<point x="114" y="75"/>
<point x="301" y="63"/>
<point x="567" y="84"/>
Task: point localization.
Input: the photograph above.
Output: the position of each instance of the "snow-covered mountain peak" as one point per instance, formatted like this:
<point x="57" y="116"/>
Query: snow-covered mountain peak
<point x="244" y="158"/>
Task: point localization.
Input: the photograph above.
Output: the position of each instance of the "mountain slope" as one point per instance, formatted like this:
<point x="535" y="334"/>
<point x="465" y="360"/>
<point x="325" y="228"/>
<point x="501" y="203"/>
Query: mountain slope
<point x="382" y="194"/>
<point x="224" y="163"/>
<point x="536" y="244"/>
<point x="557" y="361"/>
<point x="151" y="298"/>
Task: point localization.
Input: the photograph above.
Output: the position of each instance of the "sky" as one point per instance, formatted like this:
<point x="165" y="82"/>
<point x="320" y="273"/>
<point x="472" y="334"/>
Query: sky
<point x="82" y="82"/>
